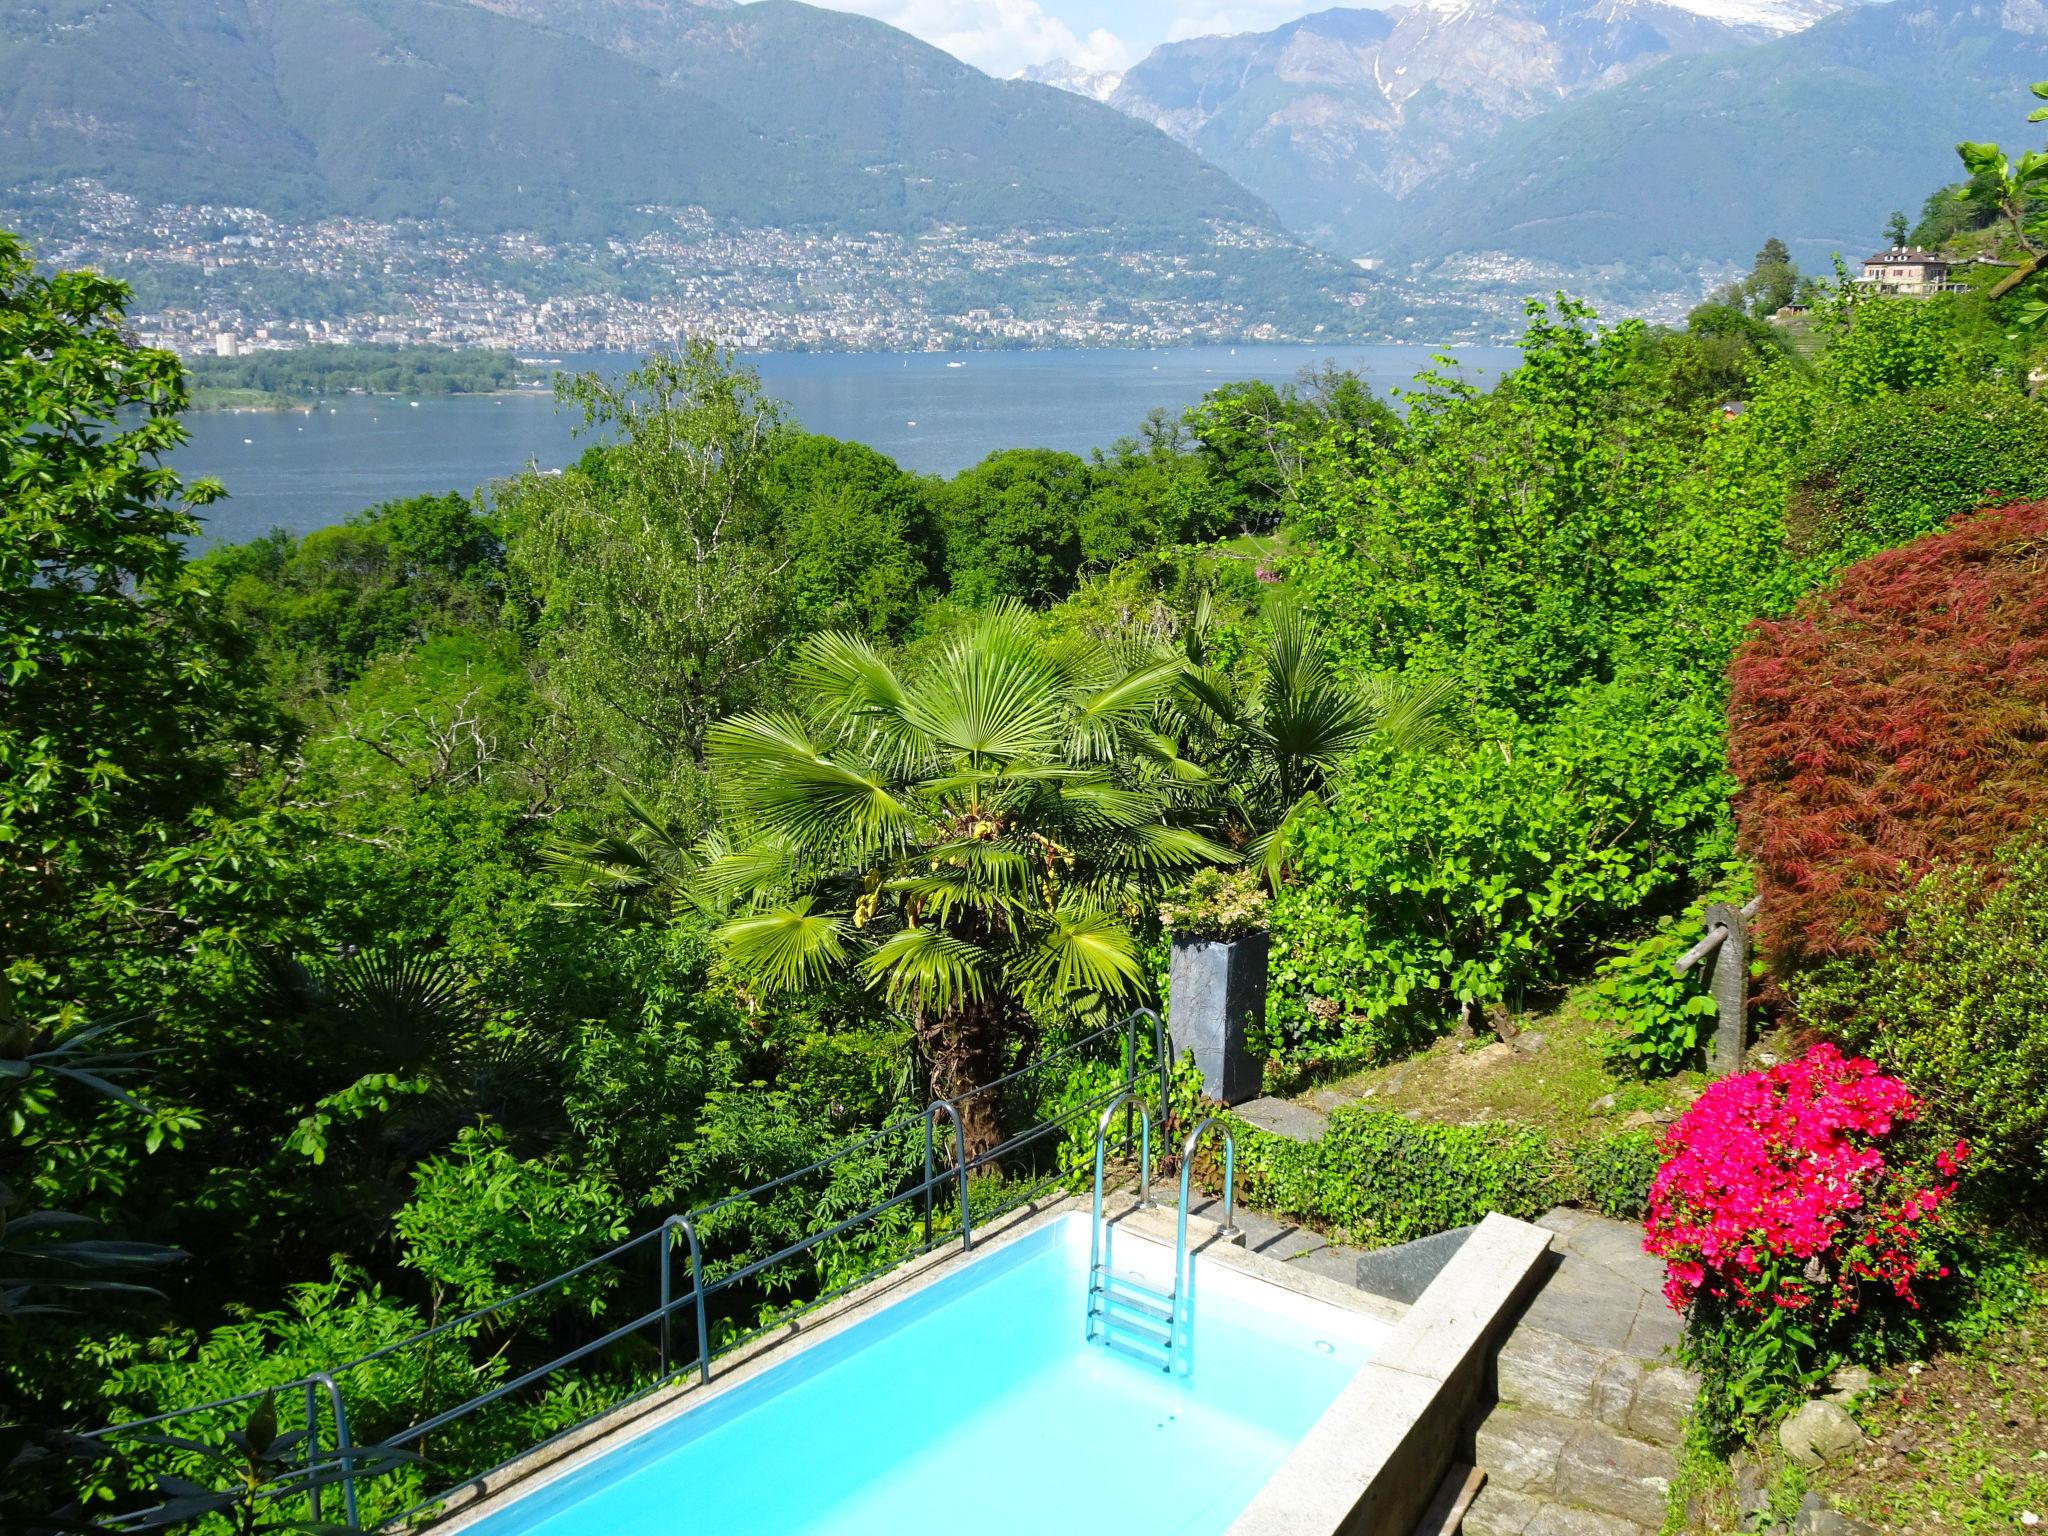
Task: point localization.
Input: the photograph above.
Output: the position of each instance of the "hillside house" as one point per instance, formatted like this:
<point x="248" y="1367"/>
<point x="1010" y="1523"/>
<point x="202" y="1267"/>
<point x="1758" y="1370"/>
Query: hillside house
<point x="1907" y="270"/>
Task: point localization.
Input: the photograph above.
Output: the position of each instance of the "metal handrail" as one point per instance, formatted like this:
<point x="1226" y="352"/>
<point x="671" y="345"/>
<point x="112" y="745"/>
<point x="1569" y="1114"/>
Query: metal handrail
<point x="688" y="1228"/>
<point x="931" y="1115"/>
<point x="345" y="1455"/>
<point x="1229" y="1230"/>
<point x="1144" y="1170"/>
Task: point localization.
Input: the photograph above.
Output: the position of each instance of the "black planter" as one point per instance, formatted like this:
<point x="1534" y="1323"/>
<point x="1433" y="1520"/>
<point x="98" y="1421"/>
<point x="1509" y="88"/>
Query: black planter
<point x="1216" y="993"/>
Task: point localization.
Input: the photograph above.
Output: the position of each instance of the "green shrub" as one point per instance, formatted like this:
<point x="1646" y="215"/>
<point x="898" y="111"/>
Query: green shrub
<point x="1437" y="879"/>
<point x="1954" y="1001"/>
<point x="1660" y="1019"/>
<point x="1612" y="1173"/>
<point x="1890" y="468"/>
<point x="1217" y="904"/>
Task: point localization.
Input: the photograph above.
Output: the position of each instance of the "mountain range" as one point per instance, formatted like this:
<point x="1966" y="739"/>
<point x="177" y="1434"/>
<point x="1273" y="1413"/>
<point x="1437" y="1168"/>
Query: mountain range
<point x="1340" y="118"/>
<point x="565" y="116"/>
<point x="1633" y="146"/>
<point x="1813" y="137"/>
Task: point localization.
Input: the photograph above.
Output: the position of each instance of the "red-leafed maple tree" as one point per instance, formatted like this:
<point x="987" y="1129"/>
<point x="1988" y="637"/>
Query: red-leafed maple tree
<point x="1897" y="719"/>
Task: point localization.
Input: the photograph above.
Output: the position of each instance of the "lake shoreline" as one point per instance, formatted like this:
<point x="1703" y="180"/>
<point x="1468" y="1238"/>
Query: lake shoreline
<point x="931" y="412"/>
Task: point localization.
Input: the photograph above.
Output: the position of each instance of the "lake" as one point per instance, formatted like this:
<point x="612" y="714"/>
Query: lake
<point x="932" y="412"/>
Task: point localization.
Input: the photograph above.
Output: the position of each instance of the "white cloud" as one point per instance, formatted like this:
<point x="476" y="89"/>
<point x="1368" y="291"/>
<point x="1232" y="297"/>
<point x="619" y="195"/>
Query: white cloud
<point x="1206" y="18"/>
<point x="999" y="36"/>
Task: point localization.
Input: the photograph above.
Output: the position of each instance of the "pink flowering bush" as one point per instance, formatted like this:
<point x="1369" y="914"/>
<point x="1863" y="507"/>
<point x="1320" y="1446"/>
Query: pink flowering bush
<point x="1784" y="1205"/>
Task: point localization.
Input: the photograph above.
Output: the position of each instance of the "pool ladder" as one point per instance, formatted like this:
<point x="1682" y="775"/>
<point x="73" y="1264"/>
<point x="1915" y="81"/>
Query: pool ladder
<point x="1131" y="1315"/>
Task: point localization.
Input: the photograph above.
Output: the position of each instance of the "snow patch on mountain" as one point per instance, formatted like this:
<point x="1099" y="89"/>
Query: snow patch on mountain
<point x="1066" y="75"/>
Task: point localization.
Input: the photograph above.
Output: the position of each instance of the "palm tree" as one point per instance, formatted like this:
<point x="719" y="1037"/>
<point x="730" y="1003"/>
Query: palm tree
<point x="1271" y="753"/>
<point x="972" y="841"/>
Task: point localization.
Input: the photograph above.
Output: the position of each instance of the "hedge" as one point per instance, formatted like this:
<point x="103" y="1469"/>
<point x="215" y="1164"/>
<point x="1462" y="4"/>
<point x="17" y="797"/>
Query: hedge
<point x="1377" y="1178"/>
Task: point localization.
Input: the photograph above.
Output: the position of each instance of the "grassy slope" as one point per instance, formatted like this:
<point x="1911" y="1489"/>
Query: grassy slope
<point x="1560" y="1087"/>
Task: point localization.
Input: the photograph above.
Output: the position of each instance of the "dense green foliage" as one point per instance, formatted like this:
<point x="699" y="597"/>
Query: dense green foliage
<point x="315" y="373"/>
<point x="1954" y="1000"/>
<point x="1481" y="875"/>
<point x="1376" y="1177"/>
<point x="1661" y="1018"/>
<point x="1892" y="467"/>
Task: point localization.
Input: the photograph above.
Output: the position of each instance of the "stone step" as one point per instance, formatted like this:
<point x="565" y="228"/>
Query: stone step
<point x="1551" y="1373"/>
<point x="1499" y="1511"/>
<point x="1284" y="1117"/>
<point x="1565" y="1460"/>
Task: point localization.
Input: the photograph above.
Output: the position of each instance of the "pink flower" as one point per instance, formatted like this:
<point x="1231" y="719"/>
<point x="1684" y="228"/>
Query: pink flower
<point x="1781" y="1174"/>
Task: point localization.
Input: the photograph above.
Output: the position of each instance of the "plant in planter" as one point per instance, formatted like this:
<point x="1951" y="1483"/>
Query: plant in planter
<point x="1217" y="985"/>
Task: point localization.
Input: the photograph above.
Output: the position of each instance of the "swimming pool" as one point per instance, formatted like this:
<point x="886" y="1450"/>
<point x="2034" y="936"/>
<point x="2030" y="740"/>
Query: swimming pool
<point x="977" y="1401"/>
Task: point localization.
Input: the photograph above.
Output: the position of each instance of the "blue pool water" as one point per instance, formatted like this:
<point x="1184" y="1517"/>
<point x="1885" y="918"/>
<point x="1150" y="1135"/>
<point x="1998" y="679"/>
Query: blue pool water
<point x="977" y="1402"/>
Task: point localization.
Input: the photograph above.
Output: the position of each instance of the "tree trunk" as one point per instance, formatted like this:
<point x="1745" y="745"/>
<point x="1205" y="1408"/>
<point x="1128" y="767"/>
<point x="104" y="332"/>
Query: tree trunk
<point x="966" y="1049"/>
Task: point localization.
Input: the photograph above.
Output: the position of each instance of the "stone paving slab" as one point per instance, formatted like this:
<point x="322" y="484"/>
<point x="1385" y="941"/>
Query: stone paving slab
<point x="1606" y="1292"/>
<point x="1616" y="1475"/>
<point x="1663" y="1399"/>
<point x="1547" y="1371"/>
<point x="1567" y="1520"/>
<point x="1270" y="1236"/>
<point x="1585" y="1308"/>
<point x="1520" y="1448"/>
<point x="1500" y="1511"/>
<point x="1284" y="1117"/>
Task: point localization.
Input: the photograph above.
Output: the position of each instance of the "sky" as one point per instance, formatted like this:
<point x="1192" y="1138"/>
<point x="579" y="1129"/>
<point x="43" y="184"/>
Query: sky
<point x="1002" y="36"/>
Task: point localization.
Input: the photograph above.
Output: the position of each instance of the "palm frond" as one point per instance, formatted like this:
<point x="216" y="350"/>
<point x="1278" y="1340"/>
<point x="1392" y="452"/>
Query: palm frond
<point x="1084" y="950"/>
<point x="1159" y="847"/>
<point x="756" y="742"/>
<point x="832" y="804"/>
<point x="991" y="696"/>
<point x="1269" y="850"/>
<point x="986" y="881"/>
<point x="1109" y="713"/>
<point x="786" y="948"/>
<point x="1211" y="698"/>
<point x="1415" y="714"/>
<point x="764" y="867"/>
<point x="856" y="689"/>
<point x="778" y="775"/>
<point x="637" y="872"/>
<point x="1163" y="752"/>
<point x="1096" y="804"/>
<point x="848" y="673"/>
<point x="931" y="967"/>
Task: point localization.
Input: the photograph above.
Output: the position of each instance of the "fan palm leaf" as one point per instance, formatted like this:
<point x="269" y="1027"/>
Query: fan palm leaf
<point x="934" y="969"/>
<point x="1083" y="950"/>
<point x="786" y="948"/>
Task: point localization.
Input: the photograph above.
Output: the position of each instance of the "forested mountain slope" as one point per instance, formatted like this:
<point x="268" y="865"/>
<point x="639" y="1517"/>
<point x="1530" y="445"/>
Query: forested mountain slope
<point x="565" y="120"/>
<point x="1814" y="137"/>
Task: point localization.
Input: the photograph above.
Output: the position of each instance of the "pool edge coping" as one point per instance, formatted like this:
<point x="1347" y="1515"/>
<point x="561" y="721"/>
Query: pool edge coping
<point x="1370" y="1464"/>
